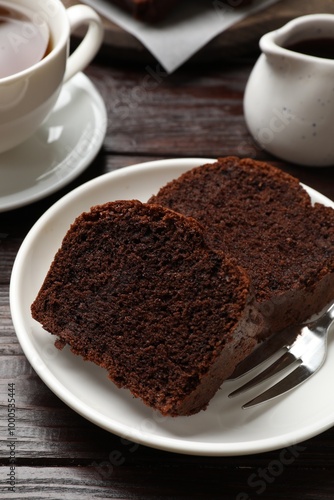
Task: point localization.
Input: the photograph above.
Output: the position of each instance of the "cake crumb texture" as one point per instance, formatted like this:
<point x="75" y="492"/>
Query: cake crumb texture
<point x="265" y="219"/>
<point x="136" y="289"/>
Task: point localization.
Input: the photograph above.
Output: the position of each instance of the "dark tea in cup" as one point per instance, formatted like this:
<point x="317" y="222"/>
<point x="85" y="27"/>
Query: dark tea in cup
<point x="34" y="70"/>
<point x="24" y="39"/>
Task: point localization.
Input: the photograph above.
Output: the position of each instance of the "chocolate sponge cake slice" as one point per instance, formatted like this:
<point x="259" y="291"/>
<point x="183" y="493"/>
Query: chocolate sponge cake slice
<point x="157" y="10"/>
<point x="136" y="289"/>
<point x="147" y="10"/>
<point x="265" y="219"/>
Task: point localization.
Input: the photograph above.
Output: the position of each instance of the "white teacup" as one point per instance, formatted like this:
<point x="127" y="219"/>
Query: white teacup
<point x="28" y="96"/>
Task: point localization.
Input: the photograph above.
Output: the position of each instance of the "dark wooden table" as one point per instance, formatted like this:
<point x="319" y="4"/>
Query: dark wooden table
<point x="58" y="454"/>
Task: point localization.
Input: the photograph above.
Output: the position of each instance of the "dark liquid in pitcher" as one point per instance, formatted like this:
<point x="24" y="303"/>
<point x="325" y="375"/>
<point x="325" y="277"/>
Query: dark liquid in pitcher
<point x="318" y="47"/>
<point x="23" y="42"/>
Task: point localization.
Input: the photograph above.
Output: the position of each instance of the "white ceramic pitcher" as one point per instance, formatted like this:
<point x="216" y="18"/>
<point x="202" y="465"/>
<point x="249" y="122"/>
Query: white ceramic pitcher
<point x="289" y="97"/>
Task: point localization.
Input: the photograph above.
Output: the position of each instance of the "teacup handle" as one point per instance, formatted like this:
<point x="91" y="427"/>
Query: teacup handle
<point x="79" y="15"/>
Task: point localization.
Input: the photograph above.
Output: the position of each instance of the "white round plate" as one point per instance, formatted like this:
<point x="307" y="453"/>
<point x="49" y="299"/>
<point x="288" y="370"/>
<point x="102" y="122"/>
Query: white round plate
<point x="59" y="151"/>
<point x="224" y="428"/>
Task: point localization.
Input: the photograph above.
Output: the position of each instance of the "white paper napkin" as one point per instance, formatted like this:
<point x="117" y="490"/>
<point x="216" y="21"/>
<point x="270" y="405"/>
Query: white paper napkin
<point x="189" y="27"/>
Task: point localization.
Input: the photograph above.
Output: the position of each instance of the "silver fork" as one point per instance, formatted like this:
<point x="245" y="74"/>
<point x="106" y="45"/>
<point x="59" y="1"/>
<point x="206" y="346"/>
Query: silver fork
<point x="302" y="349"/>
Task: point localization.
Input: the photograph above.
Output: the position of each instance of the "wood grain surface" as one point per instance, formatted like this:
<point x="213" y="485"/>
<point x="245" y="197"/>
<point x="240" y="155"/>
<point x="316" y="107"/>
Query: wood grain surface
<point x="240" y="40"/>
<point x="59" y="455"/>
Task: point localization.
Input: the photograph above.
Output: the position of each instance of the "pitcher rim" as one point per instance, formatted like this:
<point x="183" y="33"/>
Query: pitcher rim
<point x="272" y="42"/>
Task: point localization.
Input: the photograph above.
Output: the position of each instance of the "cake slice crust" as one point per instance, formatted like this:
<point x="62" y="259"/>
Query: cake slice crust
<point x="136" y="289"/>
<point x="265" y="219"/>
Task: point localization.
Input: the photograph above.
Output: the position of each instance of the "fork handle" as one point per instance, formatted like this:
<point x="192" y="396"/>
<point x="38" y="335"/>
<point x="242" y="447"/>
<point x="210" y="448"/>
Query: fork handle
<point x="326" y="320"/>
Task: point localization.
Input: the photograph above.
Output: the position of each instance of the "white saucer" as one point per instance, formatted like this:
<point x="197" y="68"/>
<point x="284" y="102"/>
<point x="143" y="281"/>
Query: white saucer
<point x="224" y="428"/>
<point x="59" y="151"/>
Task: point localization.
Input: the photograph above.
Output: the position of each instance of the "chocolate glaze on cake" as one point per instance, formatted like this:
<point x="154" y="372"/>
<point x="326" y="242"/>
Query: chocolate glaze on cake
<point x="265" y="219"/>
<point x="136" y="289"/>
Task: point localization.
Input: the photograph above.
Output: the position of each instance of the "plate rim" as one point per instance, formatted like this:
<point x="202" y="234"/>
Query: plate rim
<point x="79" y="79"/>
<point x="171" y="444"/>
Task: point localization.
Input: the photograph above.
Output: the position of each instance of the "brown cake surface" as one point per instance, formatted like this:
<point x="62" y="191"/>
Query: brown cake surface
<point x="157" y="10"/>
<point x="265" y="219"/>
<point x="136" y="289"/>
<point x="147" y="10"/>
